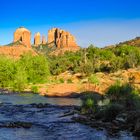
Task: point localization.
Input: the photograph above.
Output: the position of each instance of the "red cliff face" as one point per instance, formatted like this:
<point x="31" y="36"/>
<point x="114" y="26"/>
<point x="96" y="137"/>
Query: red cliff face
<point x="20" y="46"/>
<point x="16" y="51"/>
<point x="61" y="38"/>
<point x="23" y="35"/>
<point x="63" y="41"/>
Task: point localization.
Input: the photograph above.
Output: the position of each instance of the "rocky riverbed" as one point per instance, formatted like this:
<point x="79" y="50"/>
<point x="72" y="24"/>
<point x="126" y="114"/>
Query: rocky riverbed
<point x="42" y="121"/>
<point x="128" y="121"/>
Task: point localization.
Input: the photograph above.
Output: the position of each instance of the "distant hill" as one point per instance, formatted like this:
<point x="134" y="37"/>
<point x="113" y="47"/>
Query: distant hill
<point x="133" y="42"/>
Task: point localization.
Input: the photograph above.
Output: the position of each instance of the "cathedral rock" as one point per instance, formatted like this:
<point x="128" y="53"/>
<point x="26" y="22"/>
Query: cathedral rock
<point x="23" y="35"/>
<point x="61" y="38"/>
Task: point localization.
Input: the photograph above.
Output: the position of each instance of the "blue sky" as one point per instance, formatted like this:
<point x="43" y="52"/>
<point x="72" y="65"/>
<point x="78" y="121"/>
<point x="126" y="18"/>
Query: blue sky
<point x="100" y="22"/>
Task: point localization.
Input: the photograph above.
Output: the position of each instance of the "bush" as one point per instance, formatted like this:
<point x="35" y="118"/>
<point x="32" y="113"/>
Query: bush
<point x="61" y="80"/>
<point x="93" y="79"/>
<point x="87" y="68"/>
<point x="69" y="81"/>
<point x="118" y="92"/>
<point x="34" y="89"/>
<point x="124" y="94"/>
<point x="132" y="101"/>
<point x="112" y="110"/>
<point x="89" y="102"/>
<point x="36" y="67"/>
<point x="7" y="71"/>
<point x="15" y="74"/>
<point x="116" y="64"/>
<point x="20" y="80"/>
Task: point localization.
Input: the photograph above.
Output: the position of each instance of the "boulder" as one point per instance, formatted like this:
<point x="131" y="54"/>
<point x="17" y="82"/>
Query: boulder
<point x="137" y="128"/>
<point x="122" y="118"/>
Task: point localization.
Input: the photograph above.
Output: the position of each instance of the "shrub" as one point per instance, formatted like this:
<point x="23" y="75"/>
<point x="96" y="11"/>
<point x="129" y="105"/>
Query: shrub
<point x="20" y="80"/>
<point x="34" y="89"/>
<point x="133" y="100"/>
<point x="112" y="110"/>
<point x="117" y="91"/>
<point x="36" y="67"/>
<point x="61" y="80"/>
<point x="15" y="74"/>
<point x="93" y="79"/>
<point x="124" y="94"/>
<point x="7" y="71"/>
<point x="69" y="81"/>
<point x="89" y="102"/>
<point x="116" y="63"/>
<point x="87" y="68"/>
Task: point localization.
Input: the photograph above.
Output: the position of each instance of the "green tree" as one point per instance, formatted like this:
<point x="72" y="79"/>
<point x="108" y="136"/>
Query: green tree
<point x="36" y="67"/>
<point x="7" y="71"/>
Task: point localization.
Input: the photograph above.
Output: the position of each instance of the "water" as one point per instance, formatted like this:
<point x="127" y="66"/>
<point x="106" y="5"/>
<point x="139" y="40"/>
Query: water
<point x="47" y="122"/>
<point x="18" y="99"/>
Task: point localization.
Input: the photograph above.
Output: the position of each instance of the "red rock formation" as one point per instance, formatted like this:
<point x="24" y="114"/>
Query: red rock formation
<point x="23" y="35"/>
<point x="61" y="38"/>
<point x="37" y="39"/>
<point x="44" y="40"/>
<point x="16" y="51"/>
<point x="51" y="35"/>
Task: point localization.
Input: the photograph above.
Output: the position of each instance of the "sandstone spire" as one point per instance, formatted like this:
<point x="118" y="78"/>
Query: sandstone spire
<point x="51" y="35"/>
<point x="44" y="40"/>
<point x="61" y="38"/>
<point x="23" y="35"/>
<point x="37" y="39"/>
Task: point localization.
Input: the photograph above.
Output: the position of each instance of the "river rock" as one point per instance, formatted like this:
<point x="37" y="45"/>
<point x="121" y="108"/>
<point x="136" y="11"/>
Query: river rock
<point x="40" y="105"/>
<point x="122" y="118"/>
<point x="16" y="125"/>
<point x="137" y="128"/>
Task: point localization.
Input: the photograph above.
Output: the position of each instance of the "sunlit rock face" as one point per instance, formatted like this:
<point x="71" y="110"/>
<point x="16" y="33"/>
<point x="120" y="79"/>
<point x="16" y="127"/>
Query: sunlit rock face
<point x="16" y="51"/>
<point x="20" y="46"/>
<point x="37" y="39"/>
<point x="23" y="35"/>
<point x="61" y="38"/>
<point x="44" y="40"/>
